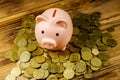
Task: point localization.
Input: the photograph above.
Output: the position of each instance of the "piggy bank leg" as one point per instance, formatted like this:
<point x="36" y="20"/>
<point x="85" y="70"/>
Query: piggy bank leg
<point x="63" y="49"/>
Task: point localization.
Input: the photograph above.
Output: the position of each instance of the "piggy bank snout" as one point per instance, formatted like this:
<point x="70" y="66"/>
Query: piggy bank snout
<point x="49" y="43"/>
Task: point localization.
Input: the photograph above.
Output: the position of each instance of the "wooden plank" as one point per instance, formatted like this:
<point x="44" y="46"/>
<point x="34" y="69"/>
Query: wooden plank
<point x="11" y="7"/>
<point x="110" y="9"/>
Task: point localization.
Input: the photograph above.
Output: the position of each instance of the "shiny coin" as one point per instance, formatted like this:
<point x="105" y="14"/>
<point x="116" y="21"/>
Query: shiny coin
<point x="53" y="68"/>
<point x="80" y="66"/>
<point x="96" y="62"/>
<point x="22" y="42"/>
<point x="52" y="77"/>
<point x="10" y="77"/>
<point x="40" y="59"/>
<point x="38" y="74"/>
<point x="21" y="78"/>
<point x="38" y="51"/>
<point x="44" y="65"/>
<point x="30" y="70"/>
<point x="46" y="74"/>
<point x="16" y="71"/>
<point x="95" y="51"/>
<point x="25" y="56"/>
<point x="94" y="68"/>
<point x="34" y="64"/>
<point x="23" y="65"/>
<point x="69" y="65"/>
<point x="31" y="46"/>
<point x="86" y="53"/>
<point x="74" y="57"/>
<point x="68" y="73"/>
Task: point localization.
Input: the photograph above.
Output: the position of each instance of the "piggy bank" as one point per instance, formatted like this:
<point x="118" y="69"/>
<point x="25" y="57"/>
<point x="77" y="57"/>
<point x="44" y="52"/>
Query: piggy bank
<point x="53" y="29"/>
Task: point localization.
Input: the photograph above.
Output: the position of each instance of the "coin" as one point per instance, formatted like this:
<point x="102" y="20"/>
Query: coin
<point x="80" y="66"/>
<point x="95" y="51"/>
<point x="75" y="31"/>
<point x="103" y="56"/>
<point x="69" y="65"/>
<point x="16" y="71"/>
<point x="68" y="73"/>
<point x="105" y="63"/>
<point x="10" y="77"/>
<point x="46" y="74"/>
<point x="52" y="77"/>
<point x="30" y="70"/>
<point x="23" y="65"/>
<point x="90" y="43"/>
<point x="25" y="56"/>
<point x="111" y="42"/>
<point x="44" y="65"/>
<point x="96" y="62"/>
<point x="88" y="75"/>
<point x="74" y="57"/>
<point x="22" y="42"/>
<point x="31" y="46"/>
<point x="86" y="53"/>
<point x="40" y="59"/>
<point x="38" y="74"/>
<point x="34" y="64"/>
<point x="53" y="68"/>
<point x="21" y="78"/>
<point x="38" y="51"/>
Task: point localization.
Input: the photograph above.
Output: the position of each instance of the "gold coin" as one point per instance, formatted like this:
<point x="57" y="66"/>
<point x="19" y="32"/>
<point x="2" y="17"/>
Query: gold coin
<point x="96" y="62"/>
<point x="86" y="53"/>
<point x="46" y="74"/>
<point x="88" y="75"/>
<point x="23" y="65"/>
<point x="55" y="60"/>
<point x="25" y="56"/>
<point x="69" y="65"/>
<point x="95" y="51"/>
<point x="40" y="59"/>
<point x="38" y="74"/>
<point x="52" y="77"/>
<point x="80" y="66"/>
<point x="31" y="46"/>
<point x="30" y="70"/>
<point x="16" y="71"/>
<point x="53" y="54"/>
<point x="38" y="51"/>
<point x="44" y="66"/>
<point x="22" y="42"/>
<point x="74" y="57"/>
<point x="103" y="56"/>
<point x="68" y="73"/>
<point x="10" y="77"/>
<point x="34" y="64"/>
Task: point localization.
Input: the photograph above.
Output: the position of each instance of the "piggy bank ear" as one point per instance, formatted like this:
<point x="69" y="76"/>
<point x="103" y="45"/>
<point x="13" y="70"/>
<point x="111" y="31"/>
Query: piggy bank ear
<point x="39" y="19"/>
<point x="62" y="23"/>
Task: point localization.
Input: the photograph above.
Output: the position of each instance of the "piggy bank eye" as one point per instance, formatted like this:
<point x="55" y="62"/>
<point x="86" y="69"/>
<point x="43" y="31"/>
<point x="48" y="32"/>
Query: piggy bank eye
<point x="57" y="34"/>
<point x="42" y="32"/>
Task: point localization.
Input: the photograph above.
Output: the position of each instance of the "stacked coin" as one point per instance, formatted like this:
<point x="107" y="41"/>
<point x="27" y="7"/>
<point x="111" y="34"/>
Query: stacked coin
<point x="85" y="52"/>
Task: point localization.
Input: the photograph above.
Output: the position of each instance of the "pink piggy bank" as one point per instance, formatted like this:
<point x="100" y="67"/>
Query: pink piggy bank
<point x="53" y="29"/>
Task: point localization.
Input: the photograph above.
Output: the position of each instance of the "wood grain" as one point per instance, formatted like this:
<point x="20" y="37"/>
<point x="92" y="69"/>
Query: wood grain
<point x="11" y="13"/>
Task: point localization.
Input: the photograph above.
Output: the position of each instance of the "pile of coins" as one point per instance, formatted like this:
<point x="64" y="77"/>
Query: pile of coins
<point x="85" y="53"/>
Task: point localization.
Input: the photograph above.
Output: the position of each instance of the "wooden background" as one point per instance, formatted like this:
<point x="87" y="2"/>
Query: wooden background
<point x="11" y="12"/>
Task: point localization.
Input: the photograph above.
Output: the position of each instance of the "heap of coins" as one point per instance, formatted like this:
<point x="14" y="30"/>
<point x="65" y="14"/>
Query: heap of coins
<point x="85" y="53"/>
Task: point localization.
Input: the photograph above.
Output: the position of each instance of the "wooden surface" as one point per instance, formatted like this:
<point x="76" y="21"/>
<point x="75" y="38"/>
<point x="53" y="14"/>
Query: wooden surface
<point x="12" y="12"/>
